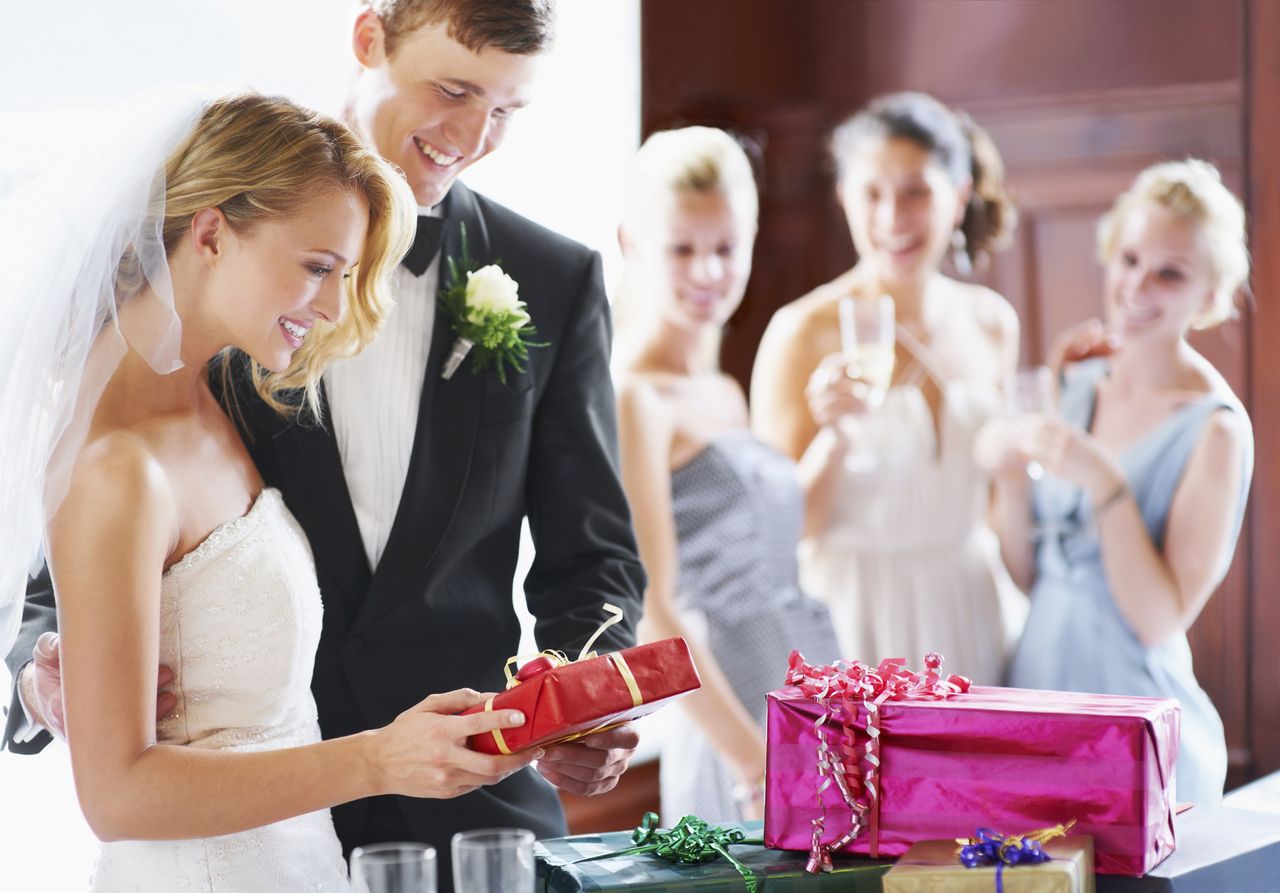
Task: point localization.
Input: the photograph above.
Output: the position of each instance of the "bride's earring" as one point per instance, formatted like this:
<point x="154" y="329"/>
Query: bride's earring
<point x="960" y="253"/>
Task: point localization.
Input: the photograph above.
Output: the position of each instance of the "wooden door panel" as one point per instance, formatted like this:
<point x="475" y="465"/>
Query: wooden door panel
<point x="1079" y="95"/>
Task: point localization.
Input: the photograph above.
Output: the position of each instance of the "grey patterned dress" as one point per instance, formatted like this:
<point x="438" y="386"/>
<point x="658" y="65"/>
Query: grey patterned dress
<point x="739" y="512"/>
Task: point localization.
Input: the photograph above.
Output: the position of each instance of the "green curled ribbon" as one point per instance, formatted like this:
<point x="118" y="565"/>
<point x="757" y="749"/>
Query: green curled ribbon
<point x="691" y="842"/>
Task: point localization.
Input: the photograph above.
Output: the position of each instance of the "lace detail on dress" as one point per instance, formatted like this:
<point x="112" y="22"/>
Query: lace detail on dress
<point x="239" y="625"/>
<point x="224" y="532"/>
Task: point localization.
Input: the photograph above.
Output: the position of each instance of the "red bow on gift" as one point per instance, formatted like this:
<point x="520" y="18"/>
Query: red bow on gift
<point x="841" y="688"/>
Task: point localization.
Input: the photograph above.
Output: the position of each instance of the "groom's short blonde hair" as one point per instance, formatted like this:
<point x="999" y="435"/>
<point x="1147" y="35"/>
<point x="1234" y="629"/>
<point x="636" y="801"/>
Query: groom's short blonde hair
<point x="521" y="27"/>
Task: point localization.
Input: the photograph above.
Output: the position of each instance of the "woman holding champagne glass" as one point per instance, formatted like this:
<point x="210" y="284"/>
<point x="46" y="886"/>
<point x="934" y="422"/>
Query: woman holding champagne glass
<point x="1147" y="470"/>
<point x="877" y="382"/>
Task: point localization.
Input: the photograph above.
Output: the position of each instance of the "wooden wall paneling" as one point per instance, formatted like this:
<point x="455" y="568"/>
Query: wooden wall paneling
<point x="1079" y="96"/>
<point x="965" y="50"/>
<point x="1262" y="91"/>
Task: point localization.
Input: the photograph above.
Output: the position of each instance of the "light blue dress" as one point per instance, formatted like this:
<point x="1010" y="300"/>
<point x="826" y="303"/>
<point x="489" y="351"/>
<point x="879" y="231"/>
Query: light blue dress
<point x="1076" y="638"/>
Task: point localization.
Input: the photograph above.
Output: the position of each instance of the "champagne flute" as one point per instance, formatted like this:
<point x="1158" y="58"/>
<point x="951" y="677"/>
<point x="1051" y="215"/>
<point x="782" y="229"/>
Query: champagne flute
<point x="1031" y="392"/>
<point x="493" y="860"/>
<point x="394" y="868"/>
<point x="868" y="340"/>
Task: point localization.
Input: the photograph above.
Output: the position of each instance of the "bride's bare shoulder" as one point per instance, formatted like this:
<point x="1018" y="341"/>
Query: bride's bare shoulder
<point x="117" y="489"/>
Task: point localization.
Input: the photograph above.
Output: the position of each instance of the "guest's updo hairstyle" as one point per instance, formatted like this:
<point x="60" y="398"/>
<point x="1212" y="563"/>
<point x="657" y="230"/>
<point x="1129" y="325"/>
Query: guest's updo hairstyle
<point x="1190" y="189"/>
<point x="690" y="159"/>
<point x="958" y="145"/>
<point x="259" y="158"/>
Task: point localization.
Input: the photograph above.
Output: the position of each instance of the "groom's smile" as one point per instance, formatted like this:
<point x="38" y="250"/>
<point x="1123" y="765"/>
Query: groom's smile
<point x="435" y="155"/>
<point x="431" y="105"/>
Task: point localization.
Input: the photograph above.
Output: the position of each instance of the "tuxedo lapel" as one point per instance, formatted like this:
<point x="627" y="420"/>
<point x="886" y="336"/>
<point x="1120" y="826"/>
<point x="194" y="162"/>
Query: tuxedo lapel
<point x="311" y="466"/>
<point x="448" y="415"/>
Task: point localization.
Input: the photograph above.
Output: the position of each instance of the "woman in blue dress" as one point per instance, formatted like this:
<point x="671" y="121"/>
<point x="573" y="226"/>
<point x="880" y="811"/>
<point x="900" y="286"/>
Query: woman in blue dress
<point x="1147" y="468"/>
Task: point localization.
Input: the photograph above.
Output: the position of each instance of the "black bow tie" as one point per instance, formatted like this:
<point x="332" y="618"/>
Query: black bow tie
<point x="426" y="244"/>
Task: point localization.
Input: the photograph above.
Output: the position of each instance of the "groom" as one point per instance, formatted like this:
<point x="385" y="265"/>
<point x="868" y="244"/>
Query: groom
<point x="413" y="492"/>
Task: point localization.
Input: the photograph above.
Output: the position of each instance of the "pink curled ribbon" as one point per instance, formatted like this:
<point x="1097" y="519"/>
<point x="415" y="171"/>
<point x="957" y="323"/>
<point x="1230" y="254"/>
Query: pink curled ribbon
<point x="840" y="689"/>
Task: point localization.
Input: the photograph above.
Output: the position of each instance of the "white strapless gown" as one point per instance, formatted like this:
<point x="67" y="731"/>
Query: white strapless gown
<point x="239" y="624"/>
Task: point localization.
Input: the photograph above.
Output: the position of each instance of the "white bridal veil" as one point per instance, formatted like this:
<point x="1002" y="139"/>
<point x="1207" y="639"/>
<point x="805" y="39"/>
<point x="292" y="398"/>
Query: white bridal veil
<point x="83" y="278"/>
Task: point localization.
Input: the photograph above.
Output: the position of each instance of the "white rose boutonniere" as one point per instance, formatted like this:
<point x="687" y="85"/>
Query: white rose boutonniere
<point x="486" y="314"/>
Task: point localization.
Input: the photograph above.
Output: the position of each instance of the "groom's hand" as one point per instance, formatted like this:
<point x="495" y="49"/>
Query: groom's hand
<point x="590" y="765"/>
<point x="40" y="687"/>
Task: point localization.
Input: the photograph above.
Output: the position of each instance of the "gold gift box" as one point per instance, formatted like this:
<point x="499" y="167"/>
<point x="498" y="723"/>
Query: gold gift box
<point x="933" y="865"/>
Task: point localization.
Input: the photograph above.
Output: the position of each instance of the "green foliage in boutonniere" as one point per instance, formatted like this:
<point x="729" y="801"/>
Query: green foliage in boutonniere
<point x="487" y="316"/>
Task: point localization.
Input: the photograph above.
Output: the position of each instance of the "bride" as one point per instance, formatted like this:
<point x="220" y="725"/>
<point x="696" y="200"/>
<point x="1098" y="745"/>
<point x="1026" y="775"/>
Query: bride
<point x="240" y="227"/>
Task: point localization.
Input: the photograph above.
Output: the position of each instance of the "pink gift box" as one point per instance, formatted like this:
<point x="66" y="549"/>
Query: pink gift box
<point x="1005" y="758"/>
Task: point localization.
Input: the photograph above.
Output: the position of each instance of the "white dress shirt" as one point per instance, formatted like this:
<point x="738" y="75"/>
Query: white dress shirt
<point x="373" y="405"/>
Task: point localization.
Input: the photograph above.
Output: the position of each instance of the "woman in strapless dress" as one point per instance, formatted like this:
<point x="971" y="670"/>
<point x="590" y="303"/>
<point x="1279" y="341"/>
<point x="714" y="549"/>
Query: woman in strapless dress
<point x="272" y="234"/>
<point x="717" y="513"/>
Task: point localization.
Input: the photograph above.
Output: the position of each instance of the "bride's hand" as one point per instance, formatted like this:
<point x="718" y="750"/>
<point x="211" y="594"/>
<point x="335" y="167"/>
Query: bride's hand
<point x="424" y="752"/>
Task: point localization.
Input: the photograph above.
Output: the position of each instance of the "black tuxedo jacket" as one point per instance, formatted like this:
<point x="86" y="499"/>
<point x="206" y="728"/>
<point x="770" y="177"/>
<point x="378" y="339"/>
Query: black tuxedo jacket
<point x="436" y="613"/>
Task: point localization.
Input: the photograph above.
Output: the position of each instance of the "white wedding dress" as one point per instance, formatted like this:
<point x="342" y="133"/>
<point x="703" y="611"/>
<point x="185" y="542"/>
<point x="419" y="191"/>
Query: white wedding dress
<point x="239" y="624"/>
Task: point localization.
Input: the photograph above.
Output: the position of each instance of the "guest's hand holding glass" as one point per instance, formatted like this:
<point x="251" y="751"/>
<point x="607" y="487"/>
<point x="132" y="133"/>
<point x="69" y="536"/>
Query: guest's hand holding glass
<point x="1071" y="454"/>
<point x="1029" y="444"/>
<point x="868" y="337"/>
<point x="1030" y="395"/>
<point x="855" y="381"/>
<point x="1008" y="445"/>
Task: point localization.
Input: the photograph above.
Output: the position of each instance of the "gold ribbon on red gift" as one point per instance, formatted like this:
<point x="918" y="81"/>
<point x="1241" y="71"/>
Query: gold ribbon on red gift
<point x="555" y="659"/>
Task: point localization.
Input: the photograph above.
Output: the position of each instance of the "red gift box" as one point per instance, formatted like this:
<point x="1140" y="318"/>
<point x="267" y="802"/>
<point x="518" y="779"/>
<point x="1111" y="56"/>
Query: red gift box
<point x="947" y="762"/>
<point x="561" y="703"/>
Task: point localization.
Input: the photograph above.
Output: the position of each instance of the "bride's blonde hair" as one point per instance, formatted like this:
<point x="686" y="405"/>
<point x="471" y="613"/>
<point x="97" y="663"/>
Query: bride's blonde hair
<point x="258" y="158"/>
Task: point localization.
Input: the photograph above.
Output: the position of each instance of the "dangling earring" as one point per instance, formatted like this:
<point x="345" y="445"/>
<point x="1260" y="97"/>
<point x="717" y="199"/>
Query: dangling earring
<point x="960" y="253"/>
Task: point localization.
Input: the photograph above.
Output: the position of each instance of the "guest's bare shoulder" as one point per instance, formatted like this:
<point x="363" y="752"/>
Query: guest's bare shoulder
<point x="992" y="313"/>
<point x="641" y="403"/>
<point x="1205" y="378"/>
<point x="814" y="310"/>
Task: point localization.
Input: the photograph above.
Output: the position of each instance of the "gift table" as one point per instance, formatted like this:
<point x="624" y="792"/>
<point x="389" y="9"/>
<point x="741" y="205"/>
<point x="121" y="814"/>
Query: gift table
<point x="561" y="868"/>
<point x="1220" y="850"/>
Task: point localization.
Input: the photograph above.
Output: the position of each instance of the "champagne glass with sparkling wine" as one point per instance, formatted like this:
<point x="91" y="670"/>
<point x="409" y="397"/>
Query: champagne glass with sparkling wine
<point x="868" y="339"/>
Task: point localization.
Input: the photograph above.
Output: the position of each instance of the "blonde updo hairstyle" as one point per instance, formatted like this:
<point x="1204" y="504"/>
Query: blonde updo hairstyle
<point x="687" y="160"/>
<point x="957" y="144"/>
<point x="1193" y="190"/>
<point x="259" y="158"/>
<point x="691" y="159"/>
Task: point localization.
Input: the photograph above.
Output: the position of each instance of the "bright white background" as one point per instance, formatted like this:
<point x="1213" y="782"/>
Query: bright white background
<point x="62" y="60"/>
